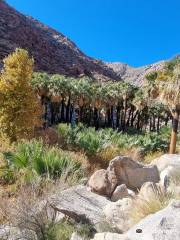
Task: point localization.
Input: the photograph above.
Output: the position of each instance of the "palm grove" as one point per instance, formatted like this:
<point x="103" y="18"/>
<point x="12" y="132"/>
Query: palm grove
<point x="31" y="100"/>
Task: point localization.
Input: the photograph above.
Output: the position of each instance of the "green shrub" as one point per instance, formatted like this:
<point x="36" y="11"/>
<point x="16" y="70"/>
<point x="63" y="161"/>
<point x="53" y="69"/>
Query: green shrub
<point x="35" y="159"/>
<point x="92" y="142"/>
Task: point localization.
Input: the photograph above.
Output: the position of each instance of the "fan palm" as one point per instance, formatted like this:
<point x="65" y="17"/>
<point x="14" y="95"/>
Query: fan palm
<point x="169" y="88"/>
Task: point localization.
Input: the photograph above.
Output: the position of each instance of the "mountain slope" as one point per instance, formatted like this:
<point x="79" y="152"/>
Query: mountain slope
<point x="52" y="51"/>
<point x="133" y="75"/>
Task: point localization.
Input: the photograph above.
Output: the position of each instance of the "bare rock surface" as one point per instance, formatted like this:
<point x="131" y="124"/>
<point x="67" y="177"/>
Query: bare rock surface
<point x="134" y="75"/>
<point x="167" y="160"/>
<point x="123" y="169"/>
<point x="163" y="225"/>
<point x="80" y="204"/>
<point x="117" y="214"/>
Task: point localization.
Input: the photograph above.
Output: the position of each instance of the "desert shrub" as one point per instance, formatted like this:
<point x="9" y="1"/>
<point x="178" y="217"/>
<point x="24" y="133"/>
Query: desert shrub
<point x="58" y="162"/>
<point x="33" y="159"/>
<point x="63" y="129"/>
<point x="60" y="231"/>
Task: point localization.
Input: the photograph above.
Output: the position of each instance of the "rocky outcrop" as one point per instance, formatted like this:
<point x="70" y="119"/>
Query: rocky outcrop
<point x="122" y="170"/>
<point x="134" y="75"/>
<point x="80" y="204"/>
<point x="163" y="225"/>
<point x="53" y="52"/>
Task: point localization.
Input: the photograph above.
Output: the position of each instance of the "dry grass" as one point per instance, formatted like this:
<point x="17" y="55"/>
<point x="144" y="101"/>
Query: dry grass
<point x="143" y="207"/>
<point x="151" y="156"/>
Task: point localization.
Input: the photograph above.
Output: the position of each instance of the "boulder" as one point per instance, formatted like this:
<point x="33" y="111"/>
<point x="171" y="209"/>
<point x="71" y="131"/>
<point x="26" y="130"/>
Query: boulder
<point x="120" y="192"/>
<point x="117" y="214"/>
<point x="109" y="236"/>
<point x="76" y="236"/>
<point x="80" y="204"/>
<point x="163" y="225"/>
<point x="123" y="169"/>
<point x="100" y="183"/>
<point x="167" y="160"/>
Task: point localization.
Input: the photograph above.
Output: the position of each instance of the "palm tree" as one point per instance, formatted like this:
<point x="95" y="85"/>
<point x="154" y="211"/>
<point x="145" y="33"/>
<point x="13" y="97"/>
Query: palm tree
<point x="169" y="92"/>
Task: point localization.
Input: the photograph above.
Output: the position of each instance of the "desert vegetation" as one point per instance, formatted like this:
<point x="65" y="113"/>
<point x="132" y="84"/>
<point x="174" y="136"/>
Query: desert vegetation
<point x="93" y="122"/>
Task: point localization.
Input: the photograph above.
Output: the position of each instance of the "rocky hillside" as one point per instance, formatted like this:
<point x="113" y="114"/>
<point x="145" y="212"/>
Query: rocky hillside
<point x="53" y="52"/>
<point x="134" y="75"/>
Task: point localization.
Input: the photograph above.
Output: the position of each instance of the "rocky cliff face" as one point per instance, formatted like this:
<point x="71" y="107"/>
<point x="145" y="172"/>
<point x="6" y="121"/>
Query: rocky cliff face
<point x="52" y="51"/>
<point x="133" y="75"/>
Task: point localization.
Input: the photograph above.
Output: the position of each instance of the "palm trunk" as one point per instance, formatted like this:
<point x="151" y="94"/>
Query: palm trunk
<point x="172" y="148"/>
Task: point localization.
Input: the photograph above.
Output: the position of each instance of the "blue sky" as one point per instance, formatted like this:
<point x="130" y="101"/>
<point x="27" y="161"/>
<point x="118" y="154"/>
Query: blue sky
<point x="136" y="32"/>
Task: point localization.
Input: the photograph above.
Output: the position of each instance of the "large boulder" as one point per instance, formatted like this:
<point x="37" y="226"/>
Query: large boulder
<point x="117" y="214"/>
<point x="167" y="160"/>
<point x="80" y="204"/>
<point x="123" y="169"/>
<point x="168" y="166"/>
<point x="163" y="225"/>
<point x="99" y="183"/>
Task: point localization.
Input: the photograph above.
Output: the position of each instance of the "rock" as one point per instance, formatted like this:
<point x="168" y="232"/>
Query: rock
<point x="167" y="160"/>
<point x="10" y="233"/>
<point x="131" y="193"/>
<point x="100" y="183"/>
<point x="150" y="190"/>
<point x="163" y="225"/>
<point x="80" y="204"/>
<point x="117" y="214"/>
<point x="109" y="236"/>
<point x="75" y="236"/>
<point x="123" y="169"/>
<point x="120" y="192"/>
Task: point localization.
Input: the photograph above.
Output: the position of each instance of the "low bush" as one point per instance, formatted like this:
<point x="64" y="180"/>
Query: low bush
<point x="94" y="142"/>
<point x="34" y="159"/>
